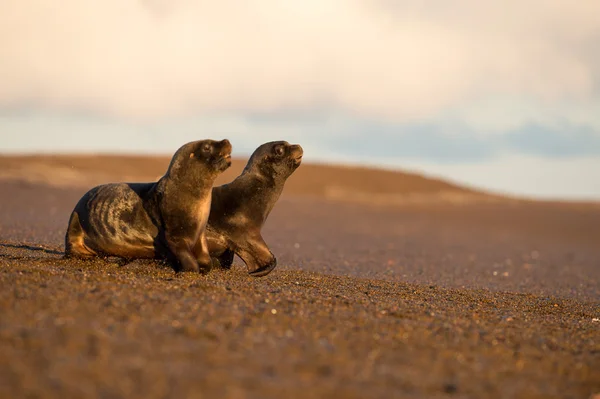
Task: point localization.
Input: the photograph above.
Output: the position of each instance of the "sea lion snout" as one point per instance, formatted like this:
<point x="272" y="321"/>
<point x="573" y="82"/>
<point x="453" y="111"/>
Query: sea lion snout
<point x="226" y="148"/>
<point x="296" y="152"/>
<point x="225" y="151"/>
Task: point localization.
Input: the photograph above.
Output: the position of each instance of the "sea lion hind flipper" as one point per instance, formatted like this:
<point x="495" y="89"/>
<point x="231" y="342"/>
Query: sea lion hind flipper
<point x="74" y="240"/>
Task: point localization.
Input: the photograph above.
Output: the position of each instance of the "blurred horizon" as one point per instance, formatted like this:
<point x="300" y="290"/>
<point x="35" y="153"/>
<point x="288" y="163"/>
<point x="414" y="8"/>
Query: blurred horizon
<point x="502" y="96"/>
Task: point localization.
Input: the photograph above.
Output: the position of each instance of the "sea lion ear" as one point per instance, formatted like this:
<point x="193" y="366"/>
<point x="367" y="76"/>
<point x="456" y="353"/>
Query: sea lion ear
<point x="192" y="155"/>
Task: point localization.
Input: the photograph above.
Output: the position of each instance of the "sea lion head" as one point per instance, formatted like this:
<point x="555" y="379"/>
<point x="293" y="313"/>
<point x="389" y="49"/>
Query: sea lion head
<point x="212" y="155"/>
<point x="276" y="158"/>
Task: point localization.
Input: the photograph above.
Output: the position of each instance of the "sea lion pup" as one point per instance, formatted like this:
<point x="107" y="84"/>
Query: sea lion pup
<point x="239" y="209"/>
<point x="161" y="220"/>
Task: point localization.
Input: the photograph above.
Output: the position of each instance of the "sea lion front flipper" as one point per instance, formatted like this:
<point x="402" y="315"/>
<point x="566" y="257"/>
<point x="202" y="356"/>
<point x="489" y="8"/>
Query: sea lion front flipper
<point x="181" y="256"/>
<point x="202" y="255"/>
<point x="256" y="255"/>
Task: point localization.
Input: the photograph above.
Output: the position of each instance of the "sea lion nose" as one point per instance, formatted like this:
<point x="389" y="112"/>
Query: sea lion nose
<point x="297" y="149"/>
<point x="226" y="146"/>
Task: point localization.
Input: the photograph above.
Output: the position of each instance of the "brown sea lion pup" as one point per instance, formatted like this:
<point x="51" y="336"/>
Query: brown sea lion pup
<point x="161" y="220"/>
<point x="239" y="209"/>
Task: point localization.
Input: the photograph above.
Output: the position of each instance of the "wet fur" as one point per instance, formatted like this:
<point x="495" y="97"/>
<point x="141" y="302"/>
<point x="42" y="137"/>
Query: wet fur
<point x="240" y="208"/>
<point x="163" y="220"/>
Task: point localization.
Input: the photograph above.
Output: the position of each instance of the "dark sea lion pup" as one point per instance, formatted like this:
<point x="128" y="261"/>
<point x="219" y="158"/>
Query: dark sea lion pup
<point x="239" y="209"/>
<point x="165" y="220"/>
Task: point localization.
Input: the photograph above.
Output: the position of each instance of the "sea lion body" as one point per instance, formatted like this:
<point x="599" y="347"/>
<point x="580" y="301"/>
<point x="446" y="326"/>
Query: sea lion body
<point x="162" y="220"/>
<point x="240" y="209"/>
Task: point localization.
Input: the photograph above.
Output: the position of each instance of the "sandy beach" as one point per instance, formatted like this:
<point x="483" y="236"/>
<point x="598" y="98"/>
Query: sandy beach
<point x="388" y="285"/>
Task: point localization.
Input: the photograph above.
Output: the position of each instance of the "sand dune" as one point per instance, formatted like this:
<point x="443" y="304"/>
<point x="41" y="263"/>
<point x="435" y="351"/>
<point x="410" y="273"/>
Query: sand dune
<point x="344" y="183"/>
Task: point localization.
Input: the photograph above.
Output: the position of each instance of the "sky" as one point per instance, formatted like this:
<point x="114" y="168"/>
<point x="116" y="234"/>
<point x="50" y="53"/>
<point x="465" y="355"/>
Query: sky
<point x="501" y="95"/>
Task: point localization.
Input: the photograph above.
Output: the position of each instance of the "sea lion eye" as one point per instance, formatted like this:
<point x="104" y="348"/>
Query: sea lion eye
<point x="279" y="150"/>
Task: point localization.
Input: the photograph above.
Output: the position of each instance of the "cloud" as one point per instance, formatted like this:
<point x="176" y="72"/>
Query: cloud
<point x="347" y="139"/>
<point x="392" y="60"/>
<point x="570" y="141"/>
<point x="533" y="160"/>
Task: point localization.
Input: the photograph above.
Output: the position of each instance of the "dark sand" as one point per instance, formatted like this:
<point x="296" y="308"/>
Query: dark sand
<point x="411" y="294"/>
